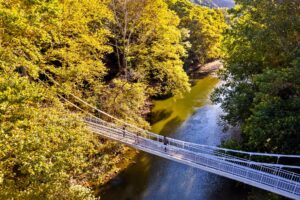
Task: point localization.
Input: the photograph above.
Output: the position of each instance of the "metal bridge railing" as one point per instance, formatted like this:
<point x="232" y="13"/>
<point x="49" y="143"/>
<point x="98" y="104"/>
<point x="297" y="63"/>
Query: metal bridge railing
<point x="266" y="176"/>
<point x="234" y="167"/>
<point x="202" y="148"/>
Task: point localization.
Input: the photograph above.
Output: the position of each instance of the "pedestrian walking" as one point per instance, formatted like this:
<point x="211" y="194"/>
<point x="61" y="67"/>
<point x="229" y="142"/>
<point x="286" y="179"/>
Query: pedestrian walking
<point x="165" y="143"/>
<point x="137" y="137"/>
<point x="124" y="130"/>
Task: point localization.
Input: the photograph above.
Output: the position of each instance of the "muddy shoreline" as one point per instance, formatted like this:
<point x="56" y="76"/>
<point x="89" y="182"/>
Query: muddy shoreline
<point x="201" y="71"/>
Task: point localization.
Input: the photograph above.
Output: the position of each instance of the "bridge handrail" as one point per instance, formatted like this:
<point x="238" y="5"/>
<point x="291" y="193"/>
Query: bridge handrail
<point x="206" y="147"/>
<point x="235" y="164"/>
<point x="203" y="147"/>
<point x="143" y="130"/>
<point x="272" y="168"/>
<point x="229" y="157"/>
<point x="197" y="145"/>
<point x="194" y="146"/>
<point x="264" y="171"/>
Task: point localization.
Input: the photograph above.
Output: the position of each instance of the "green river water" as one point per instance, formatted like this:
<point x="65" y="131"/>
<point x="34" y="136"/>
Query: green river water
<point x="192" y="119"/>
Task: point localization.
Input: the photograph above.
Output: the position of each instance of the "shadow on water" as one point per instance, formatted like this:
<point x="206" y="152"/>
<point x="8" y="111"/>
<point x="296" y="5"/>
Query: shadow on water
<point x="152" y="178"/>
<point x="159" y="115"/>
<point x="131" y="184"/>
<point x="170" y="126"/>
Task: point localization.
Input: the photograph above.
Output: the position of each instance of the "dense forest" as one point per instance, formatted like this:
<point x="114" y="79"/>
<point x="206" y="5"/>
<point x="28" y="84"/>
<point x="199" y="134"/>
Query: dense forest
<point x="118" y="55"/>
<point x="261" y="94"/>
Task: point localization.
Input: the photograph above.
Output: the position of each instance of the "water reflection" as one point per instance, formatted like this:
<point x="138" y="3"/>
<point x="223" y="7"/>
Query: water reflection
<point x="152" y="178"/>
<point x="182" y="109"/>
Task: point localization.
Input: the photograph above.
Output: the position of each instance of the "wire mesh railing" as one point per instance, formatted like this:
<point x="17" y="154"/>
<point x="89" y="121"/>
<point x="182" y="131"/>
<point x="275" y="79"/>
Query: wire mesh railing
<point x="221" y="161"/>
<point x="282" y="180"/>
<point x="261" y="173"/>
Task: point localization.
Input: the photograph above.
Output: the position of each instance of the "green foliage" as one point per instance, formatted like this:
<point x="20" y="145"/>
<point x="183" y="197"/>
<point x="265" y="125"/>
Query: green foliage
<point x="274" y="123"/>
<point x="66" y="38"/>
<point x="148" y="45"/>
<point x="261" y="93"/>
<point x="80" y="192"/>
<point x="45" y="149"/>
<point x="77" y="46"/>
<point x="42" y="145"/>
<point x="206" y="28"/>
<point x="126" y="101"/>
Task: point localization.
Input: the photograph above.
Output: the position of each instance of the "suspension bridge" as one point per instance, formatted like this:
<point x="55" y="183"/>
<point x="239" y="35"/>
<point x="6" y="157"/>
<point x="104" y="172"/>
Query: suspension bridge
<point x="278" y="178"/>
<point x="271" y="177"/>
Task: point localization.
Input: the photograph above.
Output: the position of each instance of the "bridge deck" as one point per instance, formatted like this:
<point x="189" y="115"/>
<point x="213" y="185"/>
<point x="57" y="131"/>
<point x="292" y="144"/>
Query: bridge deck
<point x="269" y="178"/>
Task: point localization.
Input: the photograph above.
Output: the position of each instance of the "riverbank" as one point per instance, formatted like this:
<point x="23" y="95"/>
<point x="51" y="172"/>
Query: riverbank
<point x="201" y="71"/>
<point x="126" y="159"/>
<point x="192" y="119"/>
<point x="177" y="114"/>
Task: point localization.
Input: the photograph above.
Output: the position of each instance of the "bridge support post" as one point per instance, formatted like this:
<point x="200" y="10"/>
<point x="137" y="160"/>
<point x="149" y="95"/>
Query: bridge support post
<point x="277" y="174"/>
<point x="294" y="192"/>
<point x="249" y="158"/>
<point x="261" y="175"/>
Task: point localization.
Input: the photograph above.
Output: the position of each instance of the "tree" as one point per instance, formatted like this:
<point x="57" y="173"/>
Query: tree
<point x="261" y="93"/>
<point x="46" y="152"/>
<point x="67" y="39"/>
<point x="78" y="42"/>
<point x="147" y="45"/>
<point x="42" y="145"/>
<point x="126" y="101"/>
<point x="206" y="27"/>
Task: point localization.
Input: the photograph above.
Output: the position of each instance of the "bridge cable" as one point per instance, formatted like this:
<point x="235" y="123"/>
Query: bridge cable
<point x="140" y="129"/>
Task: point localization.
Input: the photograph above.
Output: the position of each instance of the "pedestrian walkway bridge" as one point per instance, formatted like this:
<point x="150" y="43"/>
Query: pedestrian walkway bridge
<point x="237" y="165"/>
<point x="272" y="177"/>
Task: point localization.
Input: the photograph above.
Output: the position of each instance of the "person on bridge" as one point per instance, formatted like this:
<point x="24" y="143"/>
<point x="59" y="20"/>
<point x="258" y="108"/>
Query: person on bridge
<point x="137" y="136"/>
<point x="165" y="140"/>
<point x="165" y="143"/>
<point x="124" y="130"/>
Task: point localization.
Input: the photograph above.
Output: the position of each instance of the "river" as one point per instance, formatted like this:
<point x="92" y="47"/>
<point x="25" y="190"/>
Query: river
<point x="192" y="119"/>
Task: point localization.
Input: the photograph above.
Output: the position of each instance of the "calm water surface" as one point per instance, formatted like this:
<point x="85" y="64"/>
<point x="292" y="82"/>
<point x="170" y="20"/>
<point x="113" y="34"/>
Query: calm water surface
<point x="192" y="119"/>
